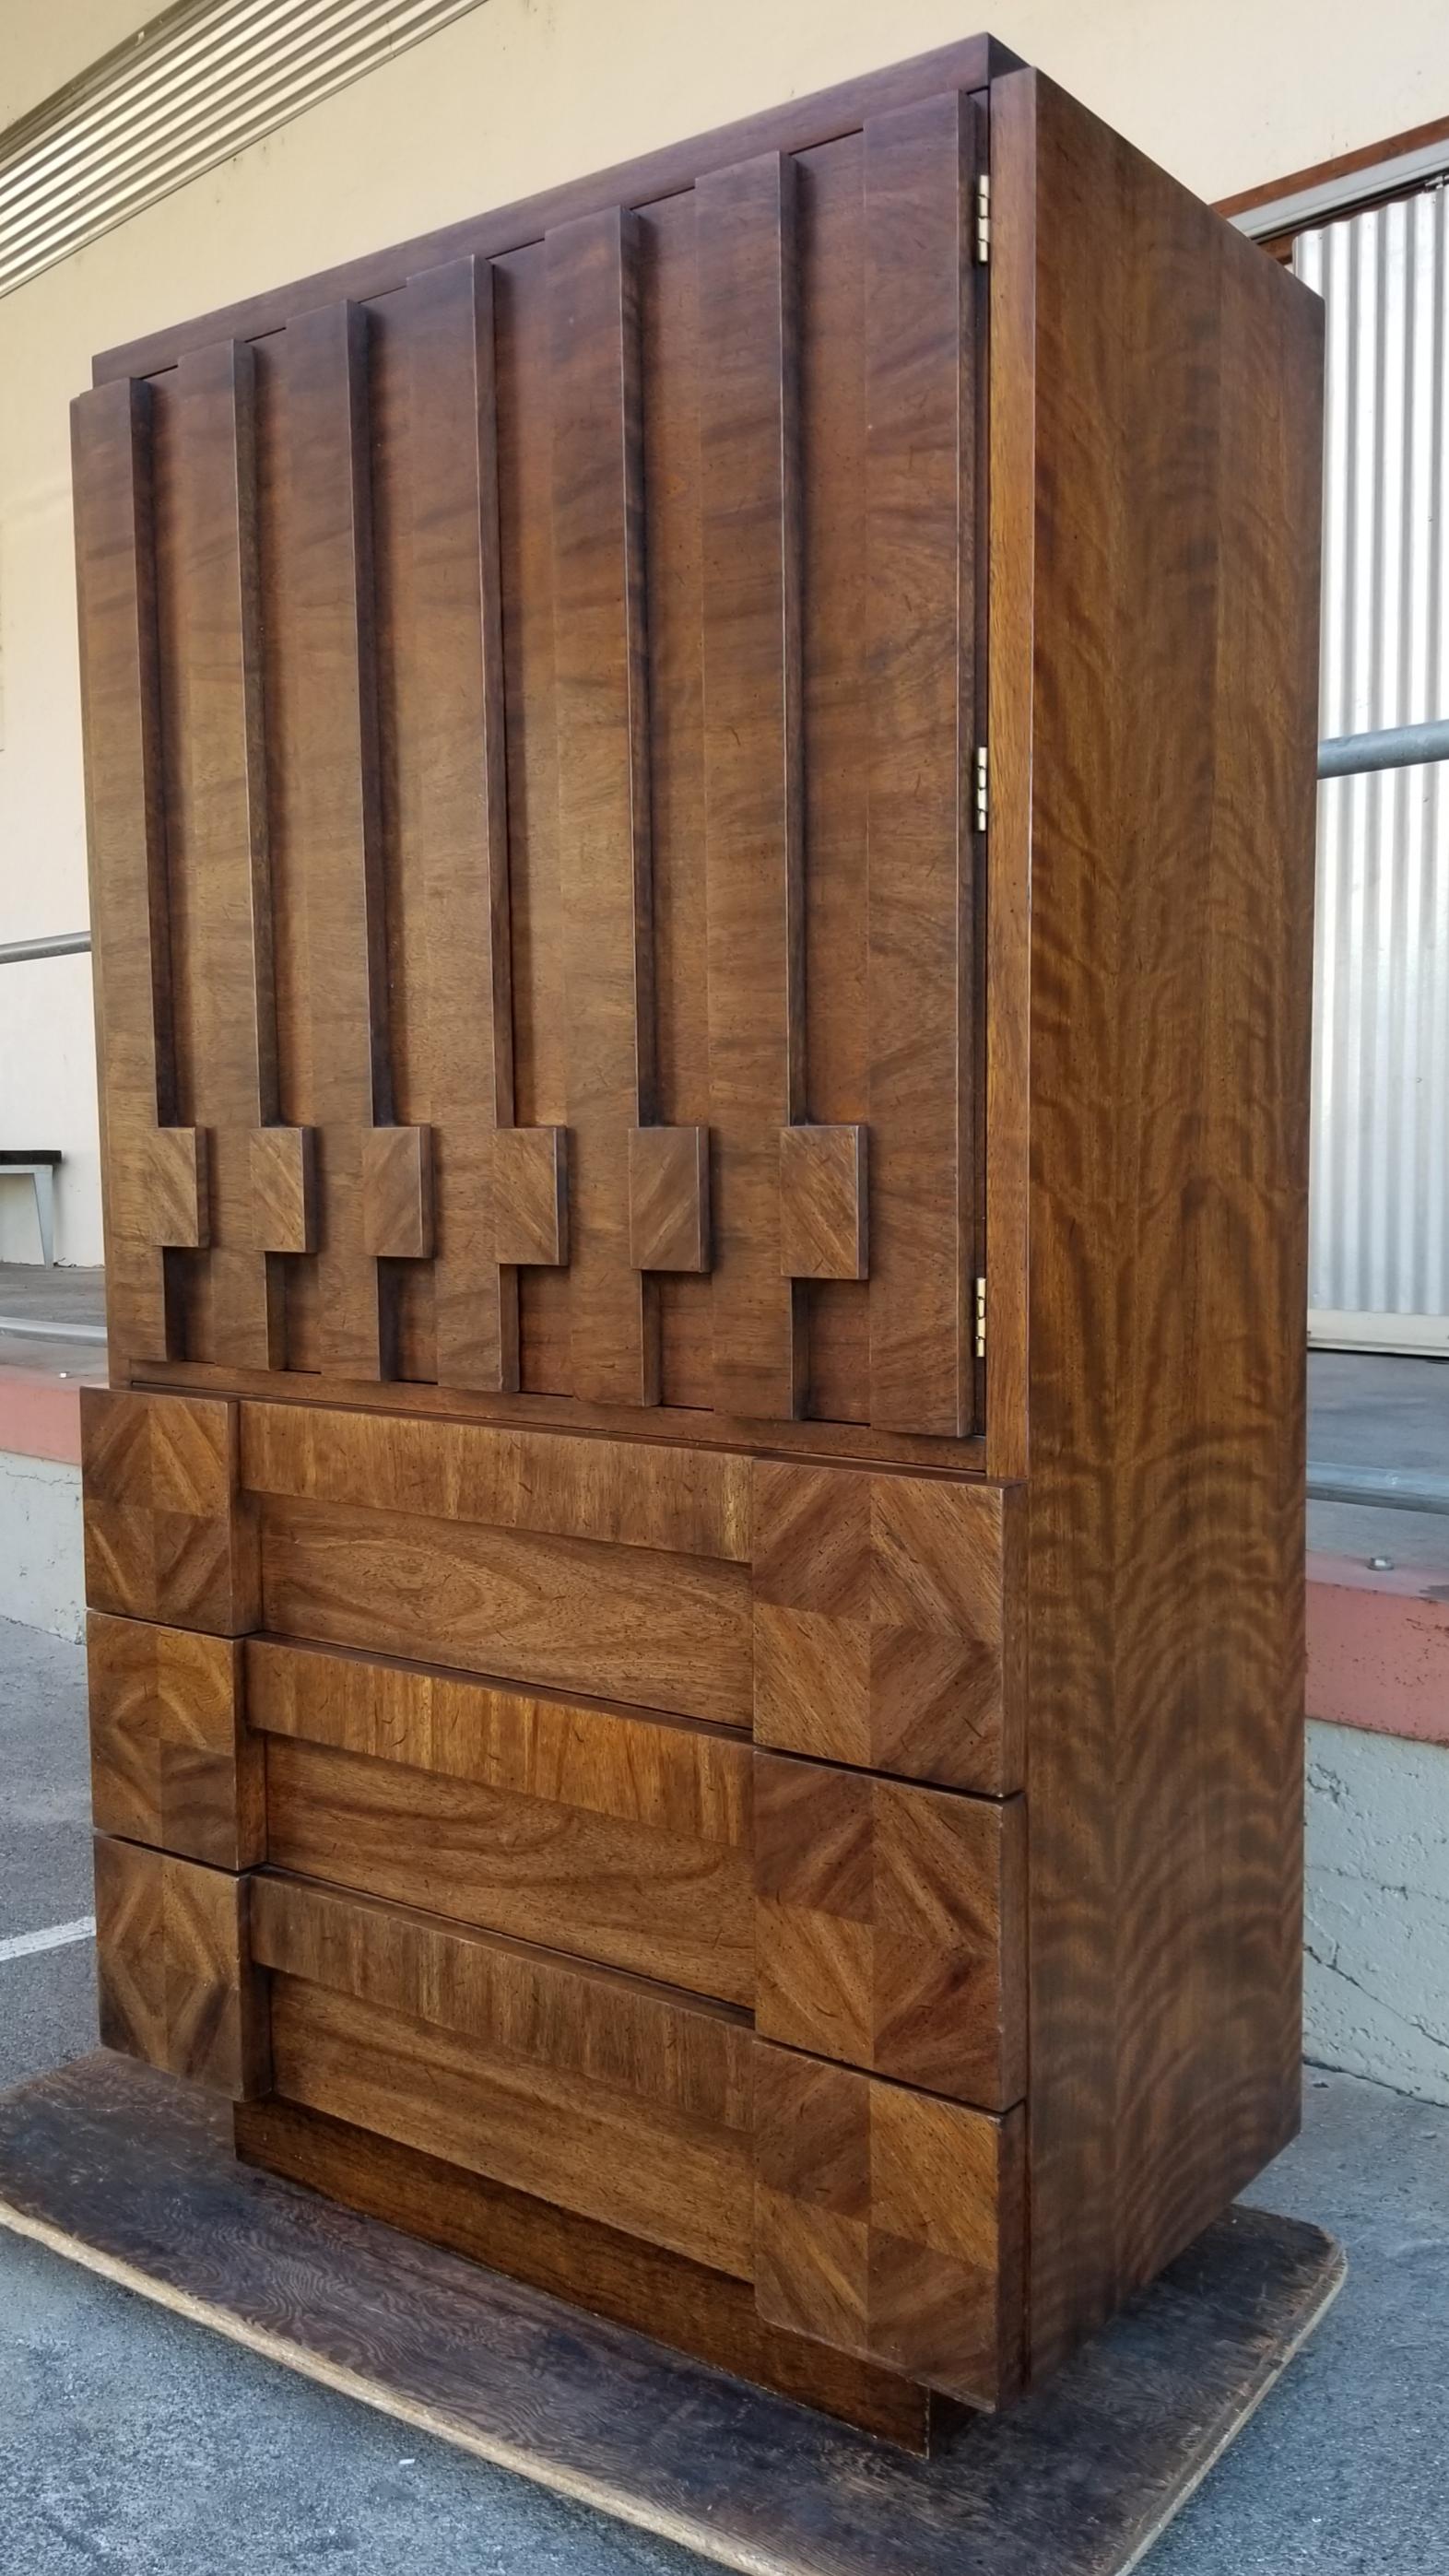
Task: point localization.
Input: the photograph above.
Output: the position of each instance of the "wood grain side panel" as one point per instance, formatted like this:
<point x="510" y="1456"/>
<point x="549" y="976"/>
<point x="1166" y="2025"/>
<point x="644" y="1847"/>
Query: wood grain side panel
<point x="172" y="1764"/>
<point x="632" y="1496"/>
<point x="111" y="448"/>
<point x="889" y="2223"/>
<point x="237" y="1309"/>
<point x="1172" y="831"/>
<point x="674" y="2179"/>
<point x="890" y="1927"/>
<point x="919" y="500"/>
<point x="336" y="811"/>
<point x="459" y="815"/>
<point x="749" y="499"/>
<point x="176" y="1979"/>
<point x="603" y="790"/>
<point x="632" y="1894"/>
<point x="667" y="1632"/>
<point x="597" y="2268"/>
<point x="168" y="1534"/>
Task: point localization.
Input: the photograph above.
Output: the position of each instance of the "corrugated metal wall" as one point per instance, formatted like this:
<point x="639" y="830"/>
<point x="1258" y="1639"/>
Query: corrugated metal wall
<point x="1379" y="1256"/>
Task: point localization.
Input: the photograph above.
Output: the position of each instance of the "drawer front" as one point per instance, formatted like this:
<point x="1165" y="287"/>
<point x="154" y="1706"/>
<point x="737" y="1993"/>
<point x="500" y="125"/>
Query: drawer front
<point x="890" y="1928"/>
<point x="619" y="2100"/>
<point x="890" y="2224"/>
<point x="621" y="1838"/>
<point x="880" y="2220"/>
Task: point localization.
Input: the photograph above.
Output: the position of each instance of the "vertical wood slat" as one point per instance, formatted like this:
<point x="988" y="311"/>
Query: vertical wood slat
<point x="116" y="572"/>
<point x="603" y="791"/>
<point x="234" y="1075"/>
<point x="919" y="583"/>
<point x="753" y="806"/>
<point x="337" y="807"/>
<point x="462" y="813"/>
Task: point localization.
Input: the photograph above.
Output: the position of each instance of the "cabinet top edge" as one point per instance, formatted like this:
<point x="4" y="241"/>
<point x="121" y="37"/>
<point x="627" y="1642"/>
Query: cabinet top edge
<point x="797" y="125"/>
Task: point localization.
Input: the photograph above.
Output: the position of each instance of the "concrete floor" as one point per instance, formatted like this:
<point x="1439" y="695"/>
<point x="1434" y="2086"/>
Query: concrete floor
<point x="130" y="2440"/>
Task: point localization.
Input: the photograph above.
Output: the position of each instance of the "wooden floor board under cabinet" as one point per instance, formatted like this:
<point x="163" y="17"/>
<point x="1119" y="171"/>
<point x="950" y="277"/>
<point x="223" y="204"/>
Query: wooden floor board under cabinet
<point x="130" y="2173"/>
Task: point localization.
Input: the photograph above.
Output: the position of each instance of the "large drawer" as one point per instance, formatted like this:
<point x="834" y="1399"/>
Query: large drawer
<point x="881" y="2220"/>
<point x="619" y="1836"/>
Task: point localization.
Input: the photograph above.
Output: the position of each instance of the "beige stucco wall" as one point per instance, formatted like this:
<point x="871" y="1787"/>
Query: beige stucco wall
<point x="513" y="97"/>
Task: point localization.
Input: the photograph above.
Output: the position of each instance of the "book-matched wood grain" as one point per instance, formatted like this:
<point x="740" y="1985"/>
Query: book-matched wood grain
<point x="169" y="1535"/>
<point x="669" y="1198"/>
<point x="889" y="2223"/>
<point x="531" y="1196"/>
<point x="336" y="811"/>
<point x="1159" y="845"/>
<point x="889" y="1928"/>
<point x="615" y="1837"/>
<point x="695" y="1500"/>
<point x="888" y="1623"/>
<point x="750" y="539"/>
<point x="174" y="1970"/>
<point x="919" y="504"/>
<point x="111" y="452"/>
<point x="630" y="1623"/>
<point x="823" y="1202"/>
<point x="600" y="2269"/>
<point x="172" y="1763"/>
<point x="235" y="1303"/>
<point x="460" y="808"/>
<point x="397" y="1192"/>
<point x="534" y="2116"/>
<point x="601" y="714"/>
<point x="284" y="1189"/>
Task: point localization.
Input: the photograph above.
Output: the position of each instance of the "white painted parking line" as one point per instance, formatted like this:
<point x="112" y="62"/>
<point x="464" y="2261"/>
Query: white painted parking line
<point x="23" y="1945"/>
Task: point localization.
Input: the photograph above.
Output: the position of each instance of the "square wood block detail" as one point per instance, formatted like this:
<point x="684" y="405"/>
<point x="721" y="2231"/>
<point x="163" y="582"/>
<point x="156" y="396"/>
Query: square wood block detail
<point x="887" y="1628"/>
<point x="890" y="1928"/>
<point x="172" y="1764"/>
<point x="283" y="1166"/>
<point x="397" y="1192"/>
<point x="669" y="1198"/>
<point x="530" y="1196"/>
<point x="168" y="1534"/>
<point x="823" y="1202"/>
<point x="177" y="1984"/>
<point x="889" y="2224"/>
<point x="162" y="1186"/>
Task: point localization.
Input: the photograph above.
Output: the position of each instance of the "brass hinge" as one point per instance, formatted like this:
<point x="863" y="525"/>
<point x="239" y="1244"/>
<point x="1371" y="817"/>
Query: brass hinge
<point x="981" y="1319"/>
<point x="983" y="801"/>
<point x="983" y="220"/>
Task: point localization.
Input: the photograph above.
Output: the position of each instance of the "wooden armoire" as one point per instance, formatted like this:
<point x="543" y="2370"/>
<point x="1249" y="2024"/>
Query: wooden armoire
<point x="701" y="810"/>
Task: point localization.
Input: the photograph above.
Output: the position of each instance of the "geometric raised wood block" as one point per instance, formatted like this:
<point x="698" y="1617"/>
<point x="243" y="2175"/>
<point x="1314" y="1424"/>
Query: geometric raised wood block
<point x="173" y="1961"/>
<point x="168" y="1536"/>
<point x="530" y="1196"/>
<point x="669" y="1198"/>
<point x="162" y="1190"/>
<point x="397" y="1192"/>
<point x="889" y="2224"/>
<point x="822" y="1203"/>
<point x="889" y="1928"/>
<point x="284" y="1189"/>
<point x="884" y="1632"/>
<point x="172" y="1764"/>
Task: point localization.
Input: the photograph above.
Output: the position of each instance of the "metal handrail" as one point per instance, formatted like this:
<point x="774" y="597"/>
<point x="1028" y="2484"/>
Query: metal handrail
<point x="66" y="943"/>
<point x="1401" y="1489"/>
<point x="1352" y="755"/>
